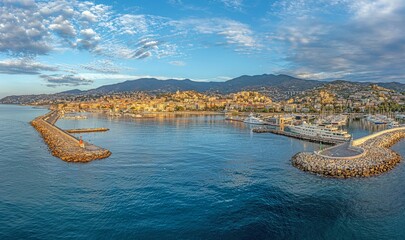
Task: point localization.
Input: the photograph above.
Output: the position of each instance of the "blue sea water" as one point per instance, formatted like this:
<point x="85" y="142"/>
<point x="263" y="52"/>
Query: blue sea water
<point x="190" y="177"/>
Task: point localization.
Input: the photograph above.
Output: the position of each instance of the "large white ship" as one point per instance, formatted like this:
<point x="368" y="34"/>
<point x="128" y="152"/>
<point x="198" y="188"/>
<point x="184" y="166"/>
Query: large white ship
<point x="320" y="131"/>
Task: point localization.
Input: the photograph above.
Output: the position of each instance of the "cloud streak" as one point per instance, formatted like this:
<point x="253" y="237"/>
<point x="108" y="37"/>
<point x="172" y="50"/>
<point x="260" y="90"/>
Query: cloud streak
<point x="24" y="66"/>
<point x="57" y="80"/>
<point x="234" y="32"/>
<point x="104" y="66"/>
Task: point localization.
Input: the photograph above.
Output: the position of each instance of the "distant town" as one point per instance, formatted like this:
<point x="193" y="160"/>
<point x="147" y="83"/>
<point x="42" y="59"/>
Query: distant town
<point x="337" y="97"/>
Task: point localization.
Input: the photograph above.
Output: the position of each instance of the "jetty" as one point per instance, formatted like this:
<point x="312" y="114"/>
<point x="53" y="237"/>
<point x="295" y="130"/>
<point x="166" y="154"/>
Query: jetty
<point x="87" y="130"/>
<point x="63" y="145"/>
<point x="295" y="135"/>
<point x="363" y="157"/>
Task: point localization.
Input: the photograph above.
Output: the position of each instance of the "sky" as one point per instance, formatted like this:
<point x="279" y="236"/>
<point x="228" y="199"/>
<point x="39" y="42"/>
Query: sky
<point x="53" y="46"/>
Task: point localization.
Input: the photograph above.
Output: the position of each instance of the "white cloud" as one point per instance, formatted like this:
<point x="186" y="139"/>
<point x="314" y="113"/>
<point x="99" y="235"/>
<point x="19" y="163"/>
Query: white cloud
<point x="234" y="4"/>
<point x="23" y="32"/>
<point x="104" y="66"/>
<point x="63" y="27"/>
<point x="88" y="16"/>
<point x="376" y="9"/>
<point x="367" y="43"/>
<point x="224" y="78"/>
<point x="24" y="66"/>
<point x="22" y="3"/>
<point x="88" y="39"/>
<point x="178" y="63"/>
<point x="55" y="8"/>
<point x="132" y="24"/>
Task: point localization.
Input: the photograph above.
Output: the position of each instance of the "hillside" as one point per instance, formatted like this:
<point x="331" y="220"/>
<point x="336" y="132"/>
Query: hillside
<point x="279" y="82"/>
<point x="274" y="84"/>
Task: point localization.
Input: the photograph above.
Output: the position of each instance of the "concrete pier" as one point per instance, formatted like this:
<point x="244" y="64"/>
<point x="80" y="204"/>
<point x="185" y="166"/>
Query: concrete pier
<point x="366" y="157"/>
<point x="64" y="145"/>
<point x="87" y="130"/>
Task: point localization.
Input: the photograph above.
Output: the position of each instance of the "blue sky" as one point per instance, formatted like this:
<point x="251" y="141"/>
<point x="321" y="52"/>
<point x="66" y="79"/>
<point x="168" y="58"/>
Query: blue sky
<point x="52" y="46"/>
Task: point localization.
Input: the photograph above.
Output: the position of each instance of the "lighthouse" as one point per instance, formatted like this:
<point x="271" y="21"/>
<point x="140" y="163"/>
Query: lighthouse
<point x="81" y="143"/>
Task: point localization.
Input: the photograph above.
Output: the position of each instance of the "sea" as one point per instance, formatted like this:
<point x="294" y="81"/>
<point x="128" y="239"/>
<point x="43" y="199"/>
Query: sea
<point x="185" y="177"/>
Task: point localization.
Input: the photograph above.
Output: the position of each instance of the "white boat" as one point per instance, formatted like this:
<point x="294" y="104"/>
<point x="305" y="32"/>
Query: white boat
<point x="319" y="131"/>
<point x="253" y="120"/>
<point x="378" y="119"/>
<point x="393" y="124"/>
<point x="400" y="116"/>
<point x="339" y="120"/>
<point x="79" y="117"/>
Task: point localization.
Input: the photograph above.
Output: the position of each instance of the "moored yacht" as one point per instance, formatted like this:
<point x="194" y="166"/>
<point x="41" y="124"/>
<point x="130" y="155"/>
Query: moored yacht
<point x="253" y="120"/>
<point x="393" y="124"/>
<point x="378" y="119"/>
<point x="318" y="131"/>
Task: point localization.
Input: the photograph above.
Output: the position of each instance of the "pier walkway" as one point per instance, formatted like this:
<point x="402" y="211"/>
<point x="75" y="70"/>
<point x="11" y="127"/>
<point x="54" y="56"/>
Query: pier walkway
<point x="64" y="145"/>
<point x="342" y="150"/>
<point x="362" y="140"/>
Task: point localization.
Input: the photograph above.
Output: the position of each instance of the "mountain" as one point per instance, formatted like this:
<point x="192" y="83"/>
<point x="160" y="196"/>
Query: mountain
<point x="152" y="84"/>
<point x="356" y="86"/>
<point x="283" y="84"/>
<point x="279" y="82"/>
<point x="393" y="85"/>
<point x="71" y="92"/>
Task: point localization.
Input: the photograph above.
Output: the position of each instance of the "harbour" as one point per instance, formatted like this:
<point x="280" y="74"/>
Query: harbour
<point x="163" y="173"/>
<point x="221" y="119"/>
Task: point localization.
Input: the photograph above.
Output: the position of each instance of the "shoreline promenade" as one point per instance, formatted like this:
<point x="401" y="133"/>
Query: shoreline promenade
<point x="373" y="157"/>
<point x="63" y="145"/>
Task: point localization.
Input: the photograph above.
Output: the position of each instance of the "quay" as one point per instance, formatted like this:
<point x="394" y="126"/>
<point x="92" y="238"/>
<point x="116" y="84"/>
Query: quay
<point x="364" y="157"/>
<point x="63" y="145"/>
<point x="87" y="130"/>
<point x="295" y="135"/>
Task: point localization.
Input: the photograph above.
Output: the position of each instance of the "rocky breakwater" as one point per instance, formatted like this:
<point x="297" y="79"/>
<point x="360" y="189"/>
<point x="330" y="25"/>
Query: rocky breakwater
<point x="375" y="159"/>
<point x="65" y="146"/>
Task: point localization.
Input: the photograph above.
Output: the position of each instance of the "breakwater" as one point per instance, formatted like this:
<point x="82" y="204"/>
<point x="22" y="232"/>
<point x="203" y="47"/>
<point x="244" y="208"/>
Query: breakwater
<point x="374" y="159"/>
<point x="63" y="145"/>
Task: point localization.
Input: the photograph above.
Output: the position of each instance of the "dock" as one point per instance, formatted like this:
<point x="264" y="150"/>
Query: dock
<point x="297" y="136"/>
<point x="87" y="130"/>
<point x="63" y="145"/>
